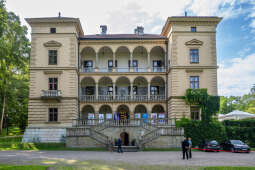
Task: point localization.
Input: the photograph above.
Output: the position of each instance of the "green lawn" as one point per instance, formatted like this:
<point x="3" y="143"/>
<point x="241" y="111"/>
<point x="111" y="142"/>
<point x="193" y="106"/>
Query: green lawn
<point x="23" y="167"/>
<point x="100" y="165"/>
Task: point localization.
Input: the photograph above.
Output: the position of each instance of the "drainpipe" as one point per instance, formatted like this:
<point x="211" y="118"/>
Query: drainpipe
<point x="166" y="65"/>
<point x="79" y="114"/>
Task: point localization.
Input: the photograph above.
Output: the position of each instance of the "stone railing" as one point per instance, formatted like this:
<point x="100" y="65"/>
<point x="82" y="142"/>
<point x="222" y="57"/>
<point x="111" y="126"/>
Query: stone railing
<point x="93" y="98"/>
<point x="76" y="132"/>
<point x="51" y="94"/>
<point x="146" y="123"/>
<point x="121" y="69"/>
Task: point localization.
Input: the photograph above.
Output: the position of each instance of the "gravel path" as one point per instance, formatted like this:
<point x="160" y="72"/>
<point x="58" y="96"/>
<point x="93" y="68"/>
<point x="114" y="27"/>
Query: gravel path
<point x="150" y="158"/>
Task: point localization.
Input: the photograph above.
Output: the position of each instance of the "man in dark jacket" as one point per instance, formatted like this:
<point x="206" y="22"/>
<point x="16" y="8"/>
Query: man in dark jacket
<point x="119" y="142"/>
<point x="185" y="147"/>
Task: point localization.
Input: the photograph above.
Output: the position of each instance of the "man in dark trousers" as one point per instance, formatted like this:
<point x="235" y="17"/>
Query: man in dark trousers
<point x="190" y="147"/>
<point x="119" y="142"/>
<point x="185" y="147"/>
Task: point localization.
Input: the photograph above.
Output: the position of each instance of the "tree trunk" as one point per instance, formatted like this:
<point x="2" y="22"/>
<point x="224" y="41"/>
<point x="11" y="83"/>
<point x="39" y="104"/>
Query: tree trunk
<point x="2" y="117"/>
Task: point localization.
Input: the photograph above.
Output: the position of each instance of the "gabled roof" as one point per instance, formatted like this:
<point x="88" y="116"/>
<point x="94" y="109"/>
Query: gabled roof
<point x="122" y="36"/>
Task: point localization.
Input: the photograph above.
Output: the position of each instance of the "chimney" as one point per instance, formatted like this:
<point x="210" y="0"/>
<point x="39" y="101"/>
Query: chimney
<point x="103" y="29"/>
<point x="139" y="30"/>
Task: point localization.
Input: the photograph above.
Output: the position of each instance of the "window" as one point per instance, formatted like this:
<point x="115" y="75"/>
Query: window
<point x="135" y="65"/>
<point x="157" y="64"/>
<point x="154" y="90"/>
<point x="194" y="58"/>
<point x="195" y="113"/>
<point x="193" y="29"/>
<point x="194" y="82"/>
<point x="53" y="83"/>
<point x="53" y="55"/>
<point x="52" y="30"/>
<point x="88" y="66"/>
<point x="53" y="114"/>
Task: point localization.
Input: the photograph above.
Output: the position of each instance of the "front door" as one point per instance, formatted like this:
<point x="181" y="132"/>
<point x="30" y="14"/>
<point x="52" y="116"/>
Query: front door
<point x="124" y="138"/>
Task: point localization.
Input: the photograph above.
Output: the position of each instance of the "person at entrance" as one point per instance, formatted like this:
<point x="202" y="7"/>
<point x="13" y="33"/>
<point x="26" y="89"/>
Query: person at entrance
<point x="190" y="147"/>
<point x="119" y="146"/>
<point x="185" y="148"/>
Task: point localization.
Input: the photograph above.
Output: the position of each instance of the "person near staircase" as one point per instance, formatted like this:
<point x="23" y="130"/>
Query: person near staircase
<point x="119" y="146"/>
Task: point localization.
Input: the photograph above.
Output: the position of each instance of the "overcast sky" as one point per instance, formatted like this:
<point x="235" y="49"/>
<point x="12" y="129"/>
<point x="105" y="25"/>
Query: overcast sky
<point x="235" y="34"/>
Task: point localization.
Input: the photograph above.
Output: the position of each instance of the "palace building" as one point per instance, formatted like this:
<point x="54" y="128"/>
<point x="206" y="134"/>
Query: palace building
<point x="88" y="89"/>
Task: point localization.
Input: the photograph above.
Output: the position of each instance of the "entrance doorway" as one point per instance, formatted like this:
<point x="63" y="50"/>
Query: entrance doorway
<point x="124" y="138"/>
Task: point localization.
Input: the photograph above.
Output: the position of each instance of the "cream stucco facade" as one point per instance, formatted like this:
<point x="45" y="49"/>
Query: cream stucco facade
<point x="112" y="73"/>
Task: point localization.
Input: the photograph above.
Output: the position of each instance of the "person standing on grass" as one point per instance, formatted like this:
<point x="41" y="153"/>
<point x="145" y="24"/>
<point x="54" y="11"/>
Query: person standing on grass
<point x="185" y="147"/>
<point x="190" y="147"/>
<point x="120" y="146"/>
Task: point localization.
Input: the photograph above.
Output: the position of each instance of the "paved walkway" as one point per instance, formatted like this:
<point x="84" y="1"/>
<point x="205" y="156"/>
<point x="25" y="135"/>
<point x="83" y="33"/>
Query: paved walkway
<point x="150" y="158"/>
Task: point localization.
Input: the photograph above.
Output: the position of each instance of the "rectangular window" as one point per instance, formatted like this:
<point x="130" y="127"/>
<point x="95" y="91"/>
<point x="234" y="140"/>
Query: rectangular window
<point x="195" y="113"/>
<point x="154" y="90"/>
<point x="53" y="114"/>
<point x="193" y="29"/>
<point x="157" y="64"/>
<point x="194" y="82"/>
<point x="53" y="83"/>
<point x="194" y="57"/>
<point x="53" y="55"/>
<point x="52" y="30"/>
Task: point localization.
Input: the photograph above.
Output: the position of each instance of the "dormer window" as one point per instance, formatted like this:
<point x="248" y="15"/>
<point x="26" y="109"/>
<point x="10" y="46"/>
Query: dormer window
<point x="193" y="29"/>
<point x="52" y="30"/>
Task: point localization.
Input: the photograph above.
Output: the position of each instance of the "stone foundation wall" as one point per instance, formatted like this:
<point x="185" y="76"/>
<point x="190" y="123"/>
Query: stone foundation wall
<point x="82" y="142"/>
<point x="165" y="142"/>
<point x="45" y="135"/>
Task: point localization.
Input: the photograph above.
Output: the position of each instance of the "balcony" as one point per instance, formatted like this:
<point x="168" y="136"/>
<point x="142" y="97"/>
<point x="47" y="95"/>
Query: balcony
<point x="121" y="98"/>
<point x="51" y="94"/>
<point x="123" y="69"/>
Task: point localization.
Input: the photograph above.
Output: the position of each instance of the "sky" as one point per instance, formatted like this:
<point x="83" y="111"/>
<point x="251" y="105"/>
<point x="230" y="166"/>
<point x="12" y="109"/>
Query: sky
<point x="235" y="34"/>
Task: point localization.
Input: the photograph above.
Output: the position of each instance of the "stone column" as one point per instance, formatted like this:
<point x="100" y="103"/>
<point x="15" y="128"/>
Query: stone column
<point x="113" y="60"/>
<point x="149" y="62"/>
<point x="96" y="90"/>
<point x="96" y="64"/>
<point x="131" y="62"/>
<point x="131" y="90"/>
<point x="149" y="90"/>
<point x="114" y="92"/>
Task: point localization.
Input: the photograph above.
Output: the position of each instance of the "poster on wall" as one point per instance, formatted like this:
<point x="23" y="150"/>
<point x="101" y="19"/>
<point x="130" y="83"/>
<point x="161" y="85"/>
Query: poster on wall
<point x="91" y="116"/>
<point x="108" y="116"/>
<point x="101" y="118"/>
<point x="137" y="116"/>
<point x="161" y="117"/>
<point x="145" y="117"/>
<point x="153" y="118"/>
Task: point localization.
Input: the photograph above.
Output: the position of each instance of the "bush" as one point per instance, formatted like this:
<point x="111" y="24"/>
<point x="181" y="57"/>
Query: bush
<point x="243" y="130"/>
<point x="200" y="131"/>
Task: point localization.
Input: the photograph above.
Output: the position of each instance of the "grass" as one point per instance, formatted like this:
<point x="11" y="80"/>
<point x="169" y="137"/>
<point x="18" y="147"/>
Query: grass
<point x="23" y="167"/>
<point x="12" y="131"/>
<point x="103" y="165"/>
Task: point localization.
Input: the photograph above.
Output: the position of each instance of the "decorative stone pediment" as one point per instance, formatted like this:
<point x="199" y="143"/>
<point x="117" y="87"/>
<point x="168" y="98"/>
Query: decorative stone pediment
<point x="52" y="43"/>
<point x="194" y="42"/>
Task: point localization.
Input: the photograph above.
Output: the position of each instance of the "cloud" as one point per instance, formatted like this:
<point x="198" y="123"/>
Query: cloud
<point x="238" y="78"/>
<point x="125" y="21"/>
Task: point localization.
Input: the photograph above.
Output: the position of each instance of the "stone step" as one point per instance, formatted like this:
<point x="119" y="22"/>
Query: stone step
<point x="127" y="148"/>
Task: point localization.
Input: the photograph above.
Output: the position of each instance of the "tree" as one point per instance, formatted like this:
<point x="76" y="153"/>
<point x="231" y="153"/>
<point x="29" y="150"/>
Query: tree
<point x="14" y="58"/>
